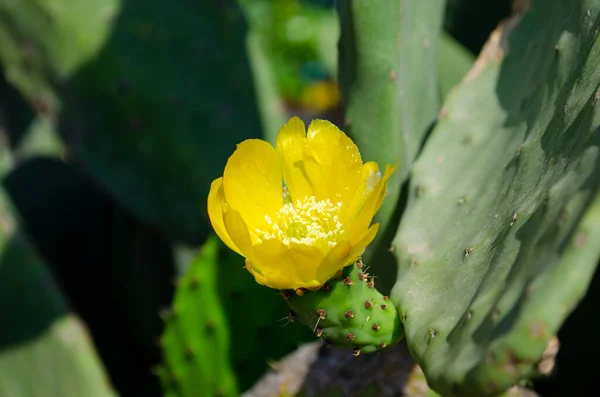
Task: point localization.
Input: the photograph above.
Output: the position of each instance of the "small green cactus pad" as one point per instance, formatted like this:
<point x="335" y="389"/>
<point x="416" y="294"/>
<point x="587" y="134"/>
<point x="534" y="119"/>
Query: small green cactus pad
<point x="196" y="337"/>
<point x="349" y="312"/>
<point x="498" y="242"/>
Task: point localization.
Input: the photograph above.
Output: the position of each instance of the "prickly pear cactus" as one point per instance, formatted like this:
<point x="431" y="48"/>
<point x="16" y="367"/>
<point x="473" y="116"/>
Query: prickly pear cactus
<point x="348" y="312"/>
<point x="495" y="247"/>
<point x="196" y="337"/>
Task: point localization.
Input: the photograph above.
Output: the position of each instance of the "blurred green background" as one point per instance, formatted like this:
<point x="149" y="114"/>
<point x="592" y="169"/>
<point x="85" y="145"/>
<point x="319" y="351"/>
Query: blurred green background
<point x="115" y="116"/>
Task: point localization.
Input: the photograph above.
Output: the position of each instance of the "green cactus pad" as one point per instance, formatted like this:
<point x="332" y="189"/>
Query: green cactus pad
<point x="388" y="76"/>
<point x="349" y="312"/>
<point x="495" y="247"/>
<point x="60" y="362"/>
<point x="196" y="337"/>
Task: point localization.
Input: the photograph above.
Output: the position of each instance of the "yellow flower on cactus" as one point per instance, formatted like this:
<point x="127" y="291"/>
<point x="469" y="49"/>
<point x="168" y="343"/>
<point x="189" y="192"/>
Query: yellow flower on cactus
<point x="301" y="211"/>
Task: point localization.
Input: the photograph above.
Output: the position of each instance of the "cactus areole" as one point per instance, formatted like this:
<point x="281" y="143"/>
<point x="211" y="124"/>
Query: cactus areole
<point x="302" y="211"/>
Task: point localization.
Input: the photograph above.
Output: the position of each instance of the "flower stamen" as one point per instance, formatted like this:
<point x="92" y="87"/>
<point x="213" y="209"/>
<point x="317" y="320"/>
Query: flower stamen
<point x="307" y="221"/>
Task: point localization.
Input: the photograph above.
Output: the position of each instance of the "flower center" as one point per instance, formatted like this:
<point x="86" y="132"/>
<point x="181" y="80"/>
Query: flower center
<point x="307" y="221"/>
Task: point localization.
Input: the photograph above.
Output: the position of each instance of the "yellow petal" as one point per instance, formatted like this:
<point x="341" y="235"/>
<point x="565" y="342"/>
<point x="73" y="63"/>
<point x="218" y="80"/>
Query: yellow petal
<point x="336" y="259"/>
<point x="277" y="281"/>
<point x="237" y="231"/>
<point x="369" y="178"/>
<point x="362" y="243"/>
<point x="332" y="162"/>
<point x="252" y="181"/>
<point x="290" y="148"/>
<point x="286" y="266"/>
<point x="216" y="201"/>
<point x="345" y="254"/>
<point x="370" y="208"/>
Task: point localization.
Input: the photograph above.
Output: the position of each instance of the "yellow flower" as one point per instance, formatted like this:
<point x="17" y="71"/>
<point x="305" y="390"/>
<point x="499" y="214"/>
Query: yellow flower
<point x="301" y="211"/>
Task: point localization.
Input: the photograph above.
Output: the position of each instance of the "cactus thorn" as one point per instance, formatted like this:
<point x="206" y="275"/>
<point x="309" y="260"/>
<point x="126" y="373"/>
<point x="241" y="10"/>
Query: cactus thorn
<point x="420" y="190"/>
<point x="514" y="218"/>
<point x="492" y="387"/>
<point x="385" y="298"/>
<point x="290" y="318"/>
<point x="393" y="75"/>
<point x="327" y="287"/>
<point x="462" y="200"/>
<point x="383" y="345"/>
<point x="371" y="282"/>
<point x="433" y="333"/>
<point x="300" y="292"/>
<point x="391" y="249"/>
<point x="210" y="327"/>
<point x="383" y="306"/>
<point x="166" y="313"/>
<point x="319" y="332"/>
<point x="359" y="263"/>
<point x="356" y="352"/>
<point x="351" y="336"/>
<point x="495" y="313"/>
<point x="469" y="314"/>
<point x="348" y="281"/>
<point x="468" y="251"/>
<point x="189" y="353"/>
<point x="321" y="313"/>
<point x="362" y="276"/>
<point x="581" y="240"/>
<point x="194" y="282"/>
<point x="338" y="274"/>
<point x="368" y="304"/>
<point x="375" y="327"/>
<point x="596" y="98"/>
<point x="286" y="294"/>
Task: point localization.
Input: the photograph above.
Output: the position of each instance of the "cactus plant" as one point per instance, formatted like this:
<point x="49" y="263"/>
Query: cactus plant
<point x="495" y="247"/>
<point x="497" y="224"/>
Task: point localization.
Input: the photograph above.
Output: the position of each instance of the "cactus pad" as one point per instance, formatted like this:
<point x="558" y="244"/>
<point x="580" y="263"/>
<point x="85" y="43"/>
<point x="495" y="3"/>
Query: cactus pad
<point x="494" y="248"/>
<point x="196" y="337"/>
<point x="348" y="312"/>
